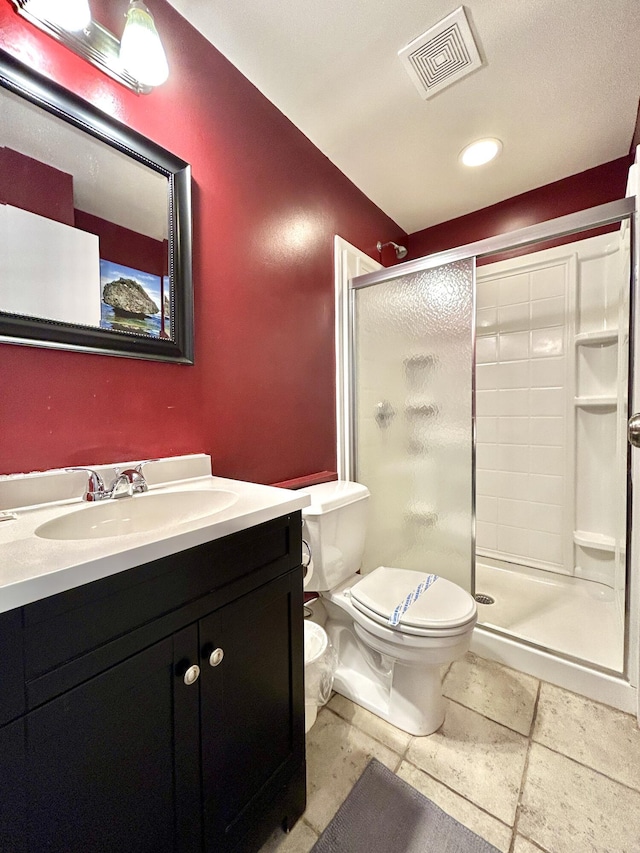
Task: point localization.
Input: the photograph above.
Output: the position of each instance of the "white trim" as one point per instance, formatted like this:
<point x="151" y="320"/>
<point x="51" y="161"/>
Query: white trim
<point x="633" y="592"/>
<point x="348" y="263"/>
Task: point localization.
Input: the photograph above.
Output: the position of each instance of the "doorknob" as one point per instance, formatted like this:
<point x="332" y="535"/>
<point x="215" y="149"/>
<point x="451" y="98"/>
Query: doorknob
<point x="633" y="430"/>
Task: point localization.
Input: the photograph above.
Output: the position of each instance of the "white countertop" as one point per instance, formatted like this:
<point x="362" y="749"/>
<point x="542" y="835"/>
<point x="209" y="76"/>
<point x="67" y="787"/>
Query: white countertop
<point x="32" y="568"/>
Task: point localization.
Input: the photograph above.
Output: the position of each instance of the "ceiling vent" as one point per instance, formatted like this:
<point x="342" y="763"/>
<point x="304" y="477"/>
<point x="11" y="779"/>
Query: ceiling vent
<point x="442" y="55"/>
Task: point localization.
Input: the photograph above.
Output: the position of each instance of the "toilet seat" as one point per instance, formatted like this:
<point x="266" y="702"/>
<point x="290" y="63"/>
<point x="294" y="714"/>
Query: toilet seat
<point x="441" y="609"/>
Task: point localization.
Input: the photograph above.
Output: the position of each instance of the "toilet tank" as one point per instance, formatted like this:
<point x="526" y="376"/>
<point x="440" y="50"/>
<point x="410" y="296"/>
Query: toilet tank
<point x="335" y="526"/>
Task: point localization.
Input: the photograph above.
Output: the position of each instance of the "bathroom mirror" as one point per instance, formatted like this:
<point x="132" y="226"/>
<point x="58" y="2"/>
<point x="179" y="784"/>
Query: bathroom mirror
<point x="95" y="228"/>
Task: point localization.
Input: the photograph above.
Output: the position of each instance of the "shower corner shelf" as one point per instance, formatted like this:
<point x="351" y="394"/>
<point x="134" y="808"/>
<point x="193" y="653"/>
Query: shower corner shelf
<point x="597" y="541"/>
<point x="423" y="514"/>
<point x="597" y="337"/>
<point x="599" y="402"/>
<point x="423" y="360"/>
<point x="420" y="407"/>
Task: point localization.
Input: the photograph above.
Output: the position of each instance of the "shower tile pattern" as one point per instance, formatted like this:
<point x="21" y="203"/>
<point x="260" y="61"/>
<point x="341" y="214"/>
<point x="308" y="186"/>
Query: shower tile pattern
<point x="526" y="765"/>
<point x="551" y="379"/>
<point x="521" y="402"/>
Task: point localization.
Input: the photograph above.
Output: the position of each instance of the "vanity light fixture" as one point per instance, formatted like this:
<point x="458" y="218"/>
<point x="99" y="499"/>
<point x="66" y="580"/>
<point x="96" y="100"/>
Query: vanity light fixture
<point x="480" y="152"/>
<point x="138" y="63"/>
<point x="141" y="51"/>
<point x="72" y="15"/>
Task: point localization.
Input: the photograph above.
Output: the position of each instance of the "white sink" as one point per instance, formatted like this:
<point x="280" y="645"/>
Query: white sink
<point x="137" y="514"/>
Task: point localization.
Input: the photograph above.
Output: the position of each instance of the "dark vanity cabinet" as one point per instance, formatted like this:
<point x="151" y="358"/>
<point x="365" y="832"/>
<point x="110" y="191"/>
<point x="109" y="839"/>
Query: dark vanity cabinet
<point x="160" y="709"/>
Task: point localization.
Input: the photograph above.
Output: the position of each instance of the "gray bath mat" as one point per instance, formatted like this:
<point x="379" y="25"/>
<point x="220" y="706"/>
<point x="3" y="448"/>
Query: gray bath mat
<point x="383" y="814"/>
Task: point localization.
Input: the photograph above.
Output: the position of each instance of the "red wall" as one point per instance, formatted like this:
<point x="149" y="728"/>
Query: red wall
<point x="126" y="247"/>
<point x="260" y="398"/>
<point x="578" y="192"/>
<point x="34" y="186"/>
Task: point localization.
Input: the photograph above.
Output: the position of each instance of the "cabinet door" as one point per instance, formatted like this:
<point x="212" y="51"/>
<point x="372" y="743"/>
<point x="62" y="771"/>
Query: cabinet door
<point x="13" y="809"/>
<point x="252" y="714"/>
<point x="11" y="666"/>
<point x="105" y="770"/>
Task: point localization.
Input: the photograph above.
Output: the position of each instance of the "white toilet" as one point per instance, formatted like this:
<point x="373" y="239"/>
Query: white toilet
<point x="393" y="628"/>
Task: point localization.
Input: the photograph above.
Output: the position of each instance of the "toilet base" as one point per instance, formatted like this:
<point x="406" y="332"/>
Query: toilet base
<point x="409" y="696"/>
<point x="418" y="711"/>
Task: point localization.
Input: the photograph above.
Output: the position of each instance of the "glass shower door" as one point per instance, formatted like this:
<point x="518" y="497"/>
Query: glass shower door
<point x="413" y="419"/>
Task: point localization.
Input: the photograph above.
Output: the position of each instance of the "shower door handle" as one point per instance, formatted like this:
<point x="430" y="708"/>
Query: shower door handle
<point x="633" y="430"/>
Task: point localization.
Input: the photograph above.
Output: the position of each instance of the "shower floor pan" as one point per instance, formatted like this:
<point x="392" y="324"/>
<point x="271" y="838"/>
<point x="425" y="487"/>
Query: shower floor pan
<point x="569" y="615"/>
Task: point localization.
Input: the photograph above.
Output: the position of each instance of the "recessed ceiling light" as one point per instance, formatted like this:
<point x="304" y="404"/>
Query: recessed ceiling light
<point x="480" y="152"/>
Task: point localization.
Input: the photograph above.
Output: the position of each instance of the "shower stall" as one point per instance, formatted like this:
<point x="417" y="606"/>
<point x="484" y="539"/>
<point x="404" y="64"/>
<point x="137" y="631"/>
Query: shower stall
<point x="485" y="405"/>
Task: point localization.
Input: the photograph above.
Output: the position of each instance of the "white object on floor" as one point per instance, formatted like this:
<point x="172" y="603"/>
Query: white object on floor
<point x="315" y="648"/>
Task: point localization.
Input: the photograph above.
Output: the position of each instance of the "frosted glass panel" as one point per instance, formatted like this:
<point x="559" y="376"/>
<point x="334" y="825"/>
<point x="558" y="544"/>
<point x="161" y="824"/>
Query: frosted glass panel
<point x="413" y="419"/>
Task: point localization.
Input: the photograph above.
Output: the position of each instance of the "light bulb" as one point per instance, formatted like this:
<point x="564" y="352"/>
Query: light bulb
<point x="70" y="15"/>
<point x="141" y="51"/>
<point x="480" y="152"/>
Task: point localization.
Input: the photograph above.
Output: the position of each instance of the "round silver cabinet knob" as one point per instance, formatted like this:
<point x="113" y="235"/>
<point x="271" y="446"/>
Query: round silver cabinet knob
<point x="215" y="658"/>
<point x="192" y="674"/>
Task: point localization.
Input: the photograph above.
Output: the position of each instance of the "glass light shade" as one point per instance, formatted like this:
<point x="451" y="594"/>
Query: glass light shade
<point x="70" y="15"/>
<point x="480" y="152"/>
<point x="141" y="51"/>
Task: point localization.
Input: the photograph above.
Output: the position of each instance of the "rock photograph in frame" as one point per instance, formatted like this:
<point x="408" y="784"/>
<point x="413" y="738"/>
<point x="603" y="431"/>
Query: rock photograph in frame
<point x="134" y="301"/>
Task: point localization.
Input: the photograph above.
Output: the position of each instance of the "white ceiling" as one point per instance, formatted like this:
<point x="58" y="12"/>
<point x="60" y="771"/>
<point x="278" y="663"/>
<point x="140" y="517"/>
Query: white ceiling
<point x="559" y="87"/>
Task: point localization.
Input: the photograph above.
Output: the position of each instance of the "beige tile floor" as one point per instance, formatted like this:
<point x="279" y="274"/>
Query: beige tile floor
<point x="524" y="764"/>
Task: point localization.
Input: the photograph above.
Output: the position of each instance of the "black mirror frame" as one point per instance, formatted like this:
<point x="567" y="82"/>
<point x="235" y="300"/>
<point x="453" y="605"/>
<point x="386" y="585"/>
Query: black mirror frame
<point x="31" y="331"/>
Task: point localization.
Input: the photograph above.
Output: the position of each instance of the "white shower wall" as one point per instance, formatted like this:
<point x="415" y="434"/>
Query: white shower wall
<point x="551" y="389"/>
<point x="521" y="410"/>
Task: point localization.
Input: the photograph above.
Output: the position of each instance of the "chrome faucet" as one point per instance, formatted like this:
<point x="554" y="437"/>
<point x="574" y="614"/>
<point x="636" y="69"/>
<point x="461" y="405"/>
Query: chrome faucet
<point x="96" y="490"/>
<point x="134" y="480"/>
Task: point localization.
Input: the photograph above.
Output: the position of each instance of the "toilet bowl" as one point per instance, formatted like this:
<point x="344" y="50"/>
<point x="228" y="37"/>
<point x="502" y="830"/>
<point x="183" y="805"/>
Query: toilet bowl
<point x="393" y="629"/>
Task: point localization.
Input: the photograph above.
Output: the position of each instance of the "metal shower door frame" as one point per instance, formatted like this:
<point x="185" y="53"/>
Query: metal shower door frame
<point x="563" y="226"/>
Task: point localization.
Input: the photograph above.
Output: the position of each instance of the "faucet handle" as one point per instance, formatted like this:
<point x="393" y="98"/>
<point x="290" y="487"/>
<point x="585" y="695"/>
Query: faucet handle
<point x="137" y="468"/>
<point x="145" y="462"/>
<point x="95" y="484"/>
<point x="135" y="477"/>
